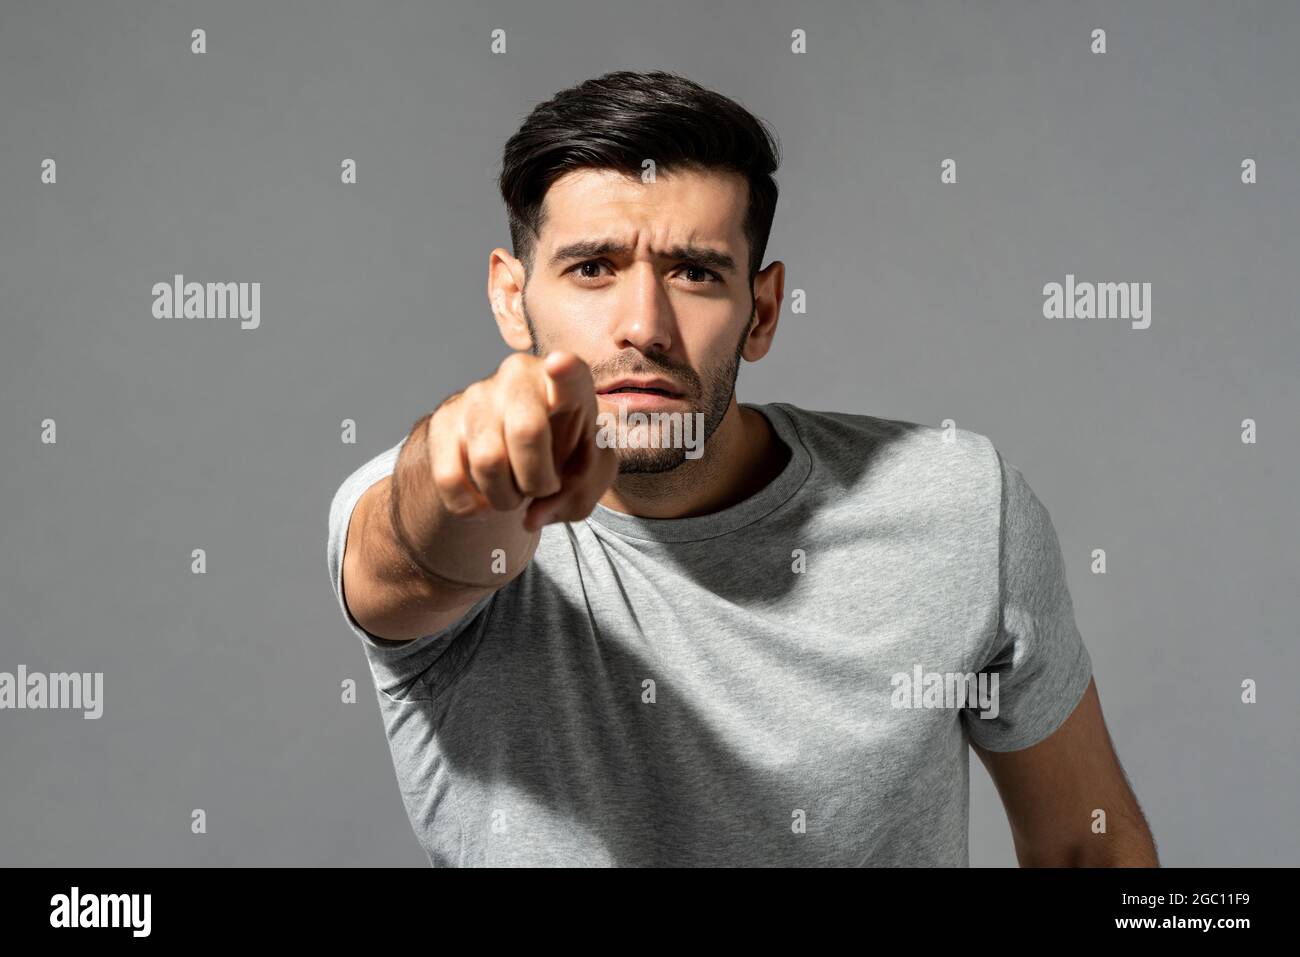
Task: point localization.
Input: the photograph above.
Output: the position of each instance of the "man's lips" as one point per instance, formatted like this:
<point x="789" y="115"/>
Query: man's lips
<point x="645" y="387"/>
<point x="642" y="401"/>
<point x="641" y="394"/>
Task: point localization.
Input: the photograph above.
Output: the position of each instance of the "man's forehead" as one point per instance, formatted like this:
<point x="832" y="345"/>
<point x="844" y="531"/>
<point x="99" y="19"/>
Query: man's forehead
<point x="689" y="206"/>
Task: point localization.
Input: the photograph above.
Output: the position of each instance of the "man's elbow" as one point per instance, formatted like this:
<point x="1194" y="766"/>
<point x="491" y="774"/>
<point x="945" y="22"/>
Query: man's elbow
<point x="1129" y="847"/>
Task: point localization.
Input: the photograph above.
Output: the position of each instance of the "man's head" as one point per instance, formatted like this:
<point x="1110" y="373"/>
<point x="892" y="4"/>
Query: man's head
<point x="640" y="207"/>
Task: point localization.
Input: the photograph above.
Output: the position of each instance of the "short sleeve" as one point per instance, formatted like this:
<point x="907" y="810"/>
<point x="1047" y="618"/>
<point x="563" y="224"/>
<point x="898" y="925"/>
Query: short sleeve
<point x="1042" y="665"/>
<point x="422" y="667"/>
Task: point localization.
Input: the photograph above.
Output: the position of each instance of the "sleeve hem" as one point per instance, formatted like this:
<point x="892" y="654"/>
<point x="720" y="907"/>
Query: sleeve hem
<point x="340" y="521"/>
<point x="1068" y="701"/>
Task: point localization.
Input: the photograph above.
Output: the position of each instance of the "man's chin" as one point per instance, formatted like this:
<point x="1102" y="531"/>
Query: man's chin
<point x="649" y="461"/>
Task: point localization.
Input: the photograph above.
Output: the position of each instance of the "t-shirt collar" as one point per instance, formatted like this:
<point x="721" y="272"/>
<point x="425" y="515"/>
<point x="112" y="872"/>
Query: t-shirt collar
<point x="762" y="503"/>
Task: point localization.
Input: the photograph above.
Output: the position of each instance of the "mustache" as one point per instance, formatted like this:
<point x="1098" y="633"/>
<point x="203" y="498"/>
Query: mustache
<point x="647" y="365"/>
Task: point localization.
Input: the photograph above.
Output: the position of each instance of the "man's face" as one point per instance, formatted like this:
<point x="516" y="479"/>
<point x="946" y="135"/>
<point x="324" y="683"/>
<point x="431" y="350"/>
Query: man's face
<point x="643" y="282"/>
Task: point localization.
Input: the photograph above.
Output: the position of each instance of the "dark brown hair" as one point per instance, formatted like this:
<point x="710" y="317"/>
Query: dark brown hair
<point x="617" y="121"/>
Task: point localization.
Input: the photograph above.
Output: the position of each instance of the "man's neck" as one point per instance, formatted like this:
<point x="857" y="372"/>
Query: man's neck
<point x="742" y="456"/>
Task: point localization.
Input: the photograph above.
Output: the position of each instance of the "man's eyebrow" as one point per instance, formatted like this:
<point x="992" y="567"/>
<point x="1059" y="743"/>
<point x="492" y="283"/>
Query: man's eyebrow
<point x="594" y="248"/>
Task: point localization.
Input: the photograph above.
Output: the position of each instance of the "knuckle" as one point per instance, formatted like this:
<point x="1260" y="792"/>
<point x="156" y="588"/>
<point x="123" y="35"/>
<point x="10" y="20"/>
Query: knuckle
<point x="458" y="500"/>
<point x="516" y="362"/>
<point x="538" y="484"/>
<point x="448" y="484"/>
<point x="488" y="459"/>
<point x="527" y="428"/>
<point x="447" y="471"/>
<point x="445" y="419"/>
<point x="476" y="398"/>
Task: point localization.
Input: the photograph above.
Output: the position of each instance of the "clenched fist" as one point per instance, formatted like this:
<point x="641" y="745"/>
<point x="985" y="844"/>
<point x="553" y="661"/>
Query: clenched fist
<point x="526" y="432"/>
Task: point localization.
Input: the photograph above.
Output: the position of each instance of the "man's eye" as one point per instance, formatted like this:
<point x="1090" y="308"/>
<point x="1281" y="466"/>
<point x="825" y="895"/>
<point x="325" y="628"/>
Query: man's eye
<point x="580" y="269"/>
<point x="709" y="275"/>
<point x="705" y="276"/>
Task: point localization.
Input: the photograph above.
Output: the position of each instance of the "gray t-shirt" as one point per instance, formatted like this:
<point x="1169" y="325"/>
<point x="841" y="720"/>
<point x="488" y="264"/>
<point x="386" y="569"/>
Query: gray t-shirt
<point x="770" y="684"/>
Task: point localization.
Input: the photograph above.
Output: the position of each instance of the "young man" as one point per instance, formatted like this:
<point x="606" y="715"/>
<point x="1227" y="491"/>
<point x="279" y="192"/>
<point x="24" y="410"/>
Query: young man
<point x="597" y="640"/>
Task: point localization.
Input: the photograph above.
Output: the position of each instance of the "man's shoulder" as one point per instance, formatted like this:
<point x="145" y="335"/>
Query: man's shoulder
<point x="921" y="455"/>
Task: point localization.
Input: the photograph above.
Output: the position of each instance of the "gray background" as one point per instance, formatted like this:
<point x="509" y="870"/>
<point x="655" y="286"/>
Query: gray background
<point x="222" y="690"/>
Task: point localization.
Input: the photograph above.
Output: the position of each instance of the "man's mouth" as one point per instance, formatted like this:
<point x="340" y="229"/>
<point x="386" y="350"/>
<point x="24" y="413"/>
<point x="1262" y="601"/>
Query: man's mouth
<point x="655" y="387"/>
<point x="641" y="395"/>
<point x="644" y="391"/>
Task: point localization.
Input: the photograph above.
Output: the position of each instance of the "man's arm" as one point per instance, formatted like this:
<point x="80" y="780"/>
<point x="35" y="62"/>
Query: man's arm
<point x="474" y="483"/>
<point x="1052" y="790"/>
<point x="385" y="592"/>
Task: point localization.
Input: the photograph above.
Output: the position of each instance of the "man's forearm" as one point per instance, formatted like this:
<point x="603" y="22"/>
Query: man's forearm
<point x="415" y="564"/>
<point x="1131" y="846"/>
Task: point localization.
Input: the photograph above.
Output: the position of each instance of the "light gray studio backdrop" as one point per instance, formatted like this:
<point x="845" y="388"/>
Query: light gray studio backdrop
<point x="925" y="302"/>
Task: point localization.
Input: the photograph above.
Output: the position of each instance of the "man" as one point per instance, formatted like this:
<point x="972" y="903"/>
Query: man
<point x="594" y="645"/>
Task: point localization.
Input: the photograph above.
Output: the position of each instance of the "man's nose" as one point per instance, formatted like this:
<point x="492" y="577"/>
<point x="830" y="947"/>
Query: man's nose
<point x="644" y="316"/>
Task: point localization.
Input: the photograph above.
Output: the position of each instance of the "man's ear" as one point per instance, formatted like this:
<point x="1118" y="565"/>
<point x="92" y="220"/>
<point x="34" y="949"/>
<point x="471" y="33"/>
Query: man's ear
<point x="769" y="291"/>
<point x="505" y="291"/>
